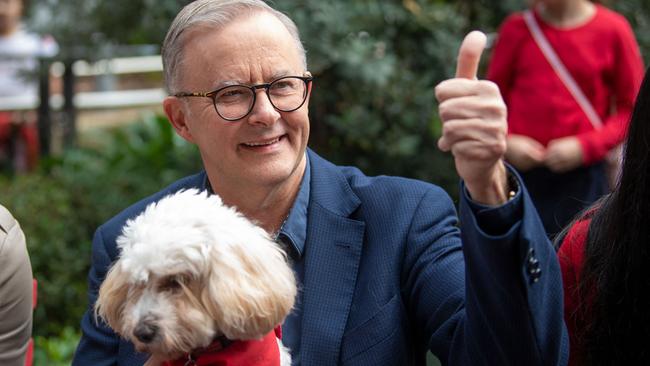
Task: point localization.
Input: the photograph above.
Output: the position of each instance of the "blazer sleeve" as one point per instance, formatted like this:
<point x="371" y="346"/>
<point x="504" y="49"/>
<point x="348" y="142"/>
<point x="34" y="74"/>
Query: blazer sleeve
<point x="499" y="301"/>
<point x="99" y="344"/>
<point x="15" y="292"/>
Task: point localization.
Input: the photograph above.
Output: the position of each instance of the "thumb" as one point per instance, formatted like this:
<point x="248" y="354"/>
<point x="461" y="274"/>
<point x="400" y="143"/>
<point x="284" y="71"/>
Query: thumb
<point x="469" y="55"/>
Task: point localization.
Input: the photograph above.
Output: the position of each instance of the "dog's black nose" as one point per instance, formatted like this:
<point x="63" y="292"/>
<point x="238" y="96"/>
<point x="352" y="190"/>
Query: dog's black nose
<point x="145" y="333"/>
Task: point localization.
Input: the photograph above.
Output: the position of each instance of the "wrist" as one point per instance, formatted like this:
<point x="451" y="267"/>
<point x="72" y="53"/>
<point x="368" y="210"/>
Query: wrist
<point x="499" y="189"/>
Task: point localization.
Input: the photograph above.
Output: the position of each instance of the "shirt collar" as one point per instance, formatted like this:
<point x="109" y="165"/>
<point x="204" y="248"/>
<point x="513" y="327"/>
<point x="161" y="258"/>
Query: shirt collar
<point x="294" y="231"/>
<point x="205" y="185"/>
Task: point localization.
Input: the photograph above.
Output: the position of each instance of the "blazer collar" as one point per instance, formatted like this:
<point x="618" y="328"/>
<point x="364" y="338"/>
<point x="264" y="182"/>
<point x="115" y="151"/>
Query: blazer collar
<point x="330" y="189"/>
<point x="332" y="256"/>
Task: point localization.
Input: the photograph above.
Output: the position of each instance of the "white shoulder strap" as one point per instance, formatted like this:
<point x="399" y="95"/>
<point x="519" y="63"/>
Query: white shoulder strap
<point x="561" y="70"/>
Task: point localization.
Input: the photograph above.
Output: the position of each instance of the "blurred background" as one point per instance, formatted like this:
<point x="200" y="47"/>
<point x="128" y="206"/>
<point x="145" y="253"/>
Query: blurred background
<point x="105" y="144"/>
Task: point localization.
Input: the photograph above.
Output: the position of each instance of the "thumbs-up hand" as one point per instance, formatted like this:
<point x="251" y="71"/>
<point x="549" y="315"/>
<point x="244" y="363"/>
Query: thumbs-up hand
<point x="474" y="125"/>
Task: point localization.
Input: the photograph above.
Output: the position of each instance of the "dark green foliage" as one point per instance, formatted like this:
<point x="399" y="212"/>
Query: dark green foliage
<point x="60" y="207"/>
<point x="56" y="351"/>
<point x="44" y="207"/>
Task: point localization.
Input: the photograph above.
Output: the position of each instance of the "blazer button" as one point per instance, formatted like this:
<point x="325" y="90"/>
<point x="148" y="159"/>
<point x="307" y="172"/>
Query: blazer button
<point x="535" y="274"/>
<point x="530" y="255"/>
<point x="532" y="264"/>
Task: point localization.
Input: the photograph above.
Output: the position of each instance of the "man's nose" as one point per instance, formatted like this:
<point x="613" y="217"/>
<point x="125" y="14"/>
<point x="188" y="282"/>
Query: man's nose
<point x="263" y="111"/>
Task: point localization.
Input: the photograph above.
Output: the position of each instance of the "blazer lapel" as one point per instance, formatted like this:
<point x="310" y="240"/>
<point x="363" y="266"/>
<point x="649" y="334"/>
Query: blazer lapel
<point x="332" y="254"/>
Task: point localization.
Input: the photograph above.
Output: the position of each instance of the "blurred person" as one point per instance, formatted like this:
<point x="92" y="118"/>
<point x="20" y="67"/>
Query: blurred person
<point x="20" y="51"/>
<point x="15" y="292"/>
<point x="552" y="141"/>
<point x="604" y="256"/>
<point x="385" y="272"/>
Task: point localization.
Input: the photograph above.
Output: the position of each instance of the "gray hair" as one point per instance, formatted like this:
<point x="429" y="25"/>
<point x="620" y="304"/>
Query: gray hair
<point x="213" y="14"/>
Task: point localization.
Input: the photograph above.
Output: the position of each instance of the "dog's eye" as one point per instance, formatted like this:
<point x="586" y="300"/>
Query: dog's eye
<point x="171" y="283"/>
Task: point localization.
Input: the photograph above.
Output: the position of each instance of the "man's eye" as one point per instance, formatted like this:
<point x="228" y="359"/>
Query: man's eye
<point x="232" y="95"/>
<point x="282" y="85"/>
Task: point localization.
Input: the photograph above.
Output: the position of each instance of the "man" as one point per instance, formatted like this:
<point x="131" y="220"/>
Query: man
<point x="379" y="260"/>
<point x="16" y="295"/>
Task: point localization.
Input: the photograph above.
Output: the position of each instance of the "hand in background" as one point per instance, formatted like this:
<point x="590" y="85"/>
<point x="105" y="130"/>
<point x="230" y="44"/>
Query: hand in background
<point x="525" y="153"/>
<point x="474" y="128"/>
<point x="563" y="154"/>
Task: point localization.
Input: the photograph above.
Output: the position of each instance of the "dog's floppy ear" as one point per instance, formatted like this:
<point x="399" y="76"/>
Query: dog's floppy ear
<point x="112" y="297"/>
<point x="250" y="289"/>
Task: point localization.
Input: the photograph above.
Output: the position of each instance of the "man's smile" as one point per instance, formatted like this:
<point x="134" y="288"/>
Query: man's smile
<point x="263" y="143"/>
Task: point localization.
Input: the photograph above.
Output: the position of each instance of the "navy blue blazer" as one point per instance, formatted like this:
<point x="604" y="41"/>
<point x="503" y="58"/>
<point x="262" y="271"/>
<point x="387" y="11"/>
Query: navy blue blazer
<point x="386" y="277"/>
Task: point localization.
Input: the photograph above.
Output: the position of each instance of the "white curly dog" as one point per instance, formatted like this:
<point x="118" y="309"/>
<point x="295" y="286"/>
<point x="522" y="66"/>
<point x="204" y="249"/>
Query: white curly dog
<point x="193" y="273"/>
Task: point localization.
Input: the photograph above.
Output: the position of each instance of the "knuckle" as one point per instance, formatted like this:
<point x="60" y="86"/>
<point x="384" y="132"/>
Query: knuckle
<point x="447" y="130"/>
<point x="443" y="111"/>
<point x="489" y="86"/>
<point x="502" y="109"/>
<point x="499" y="144"/>
<point x="500" y="148"/>
<point x="442" y="144"/>
<point x="496" y="110"/>
<point x="438" y="92"/>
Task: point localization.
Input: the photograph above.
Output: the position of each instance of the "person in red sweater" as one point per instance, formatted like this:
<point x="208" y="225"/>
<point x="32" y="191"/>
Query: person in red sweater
<point x="603" y="257"/>
<point x="550" y="139"/>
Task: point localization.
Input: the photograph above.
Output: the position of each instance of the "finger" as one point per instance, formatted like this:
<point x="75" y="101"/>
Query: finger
<point x="469" y="55"/>
<point x="536" y="154"/>
<point x="553" y="163"/>
<point x="471" y="107"/>
<point x="536" y="146"/>
<point x="457" y="131"/>
<point x="530" y="147"/>
<point x="454" y="88"/>
<point x="443" y="144"/>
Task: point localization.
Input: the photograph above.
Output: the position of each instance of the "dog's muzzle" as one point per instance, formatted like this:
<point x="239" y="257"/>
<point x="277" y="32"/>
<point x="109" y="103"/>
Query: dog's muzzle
<point x="145" y="332"/>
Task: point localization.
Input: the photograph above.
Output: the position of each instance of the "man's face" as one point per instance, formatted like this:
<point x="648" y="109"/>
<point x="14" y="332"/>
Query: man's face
<point x="265" y="148"/>
<point x="10" y="13"/>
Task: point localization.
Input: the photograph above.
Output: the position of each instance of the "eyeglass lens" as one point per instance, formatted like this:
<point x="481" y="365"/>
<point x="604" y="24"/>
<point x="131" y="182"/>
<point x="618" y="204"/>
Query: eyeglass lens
<point x="286" y="94"/>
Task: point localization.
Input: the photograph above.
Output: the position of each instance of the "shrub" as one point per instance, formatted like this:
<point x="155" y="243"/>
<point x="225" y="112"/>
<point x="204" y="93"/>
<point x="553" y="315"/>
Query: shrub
<point x="60" y="206"/>
<point x="56" y="351"/>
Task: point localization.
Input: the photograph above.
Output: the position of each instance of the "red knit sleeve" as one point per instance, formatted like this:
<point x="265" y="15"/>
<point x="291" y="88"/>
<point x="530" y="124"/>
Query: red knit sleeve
<point x="571" y="257"/>
<point x="504" y="54"/>
<point x="624" y="83"/>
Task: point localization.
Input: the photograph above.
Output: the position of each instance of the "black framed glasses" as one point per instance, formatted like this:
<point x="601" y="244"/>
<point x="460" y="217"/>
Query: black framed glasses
<point x="234" y="102"/>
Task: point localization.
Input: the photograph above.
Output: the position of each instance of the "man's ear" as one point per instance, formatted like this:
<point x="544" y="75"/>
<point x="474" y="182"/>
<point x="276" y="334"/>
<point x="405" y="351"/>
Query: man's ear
<point x="177" y="116"/>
